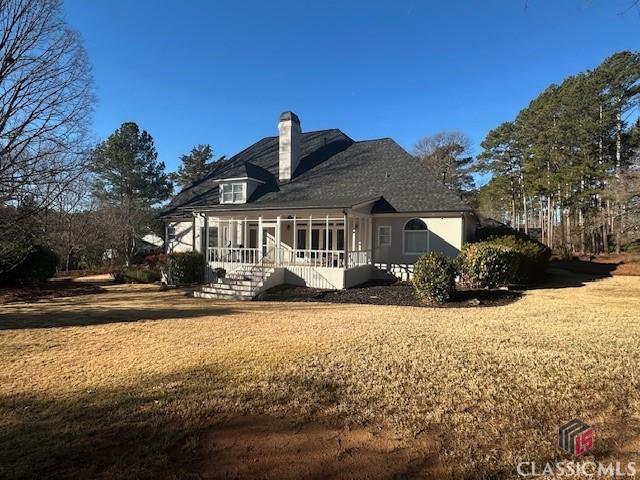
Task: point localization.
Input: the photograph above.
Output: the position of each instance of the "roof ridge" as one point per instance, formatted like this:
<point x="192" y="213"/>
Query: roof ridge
<point x="375" y="140"/>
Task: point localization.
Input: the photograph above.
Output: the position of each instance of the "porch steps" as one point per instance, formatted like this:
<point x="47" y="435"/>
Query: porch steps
<point x="242" y="284"/>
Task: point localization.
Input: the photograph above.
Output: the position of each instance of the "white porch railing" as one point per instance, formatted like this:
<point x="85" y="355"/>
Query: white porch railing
<point x="230" y="257"/>
<point x="233" y="255"/>
<point x="358" y="258"/>
<point x="313" y="258"/>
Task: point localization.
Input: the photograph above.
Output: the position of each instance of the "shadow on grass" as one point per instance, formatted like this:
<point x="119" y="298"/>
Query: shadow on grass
<point x="191" y="424"/>
<point x="50" y="290"/>
<point x="47" y="316"/>
<point x="574" y="273"/>
<point x="136" y="431"/>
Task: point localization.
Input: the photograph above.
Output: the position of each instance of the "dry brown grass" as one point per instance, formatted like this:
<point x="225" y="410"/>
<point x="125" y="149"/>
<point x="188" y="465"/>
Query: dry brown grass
<point x="126" y="383"/>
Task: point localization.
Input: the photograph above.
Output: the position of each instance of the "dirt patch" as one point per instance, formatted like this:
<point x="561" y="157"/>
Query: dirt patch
<point x="388" y="293"/>
<point x="267" y="447"/>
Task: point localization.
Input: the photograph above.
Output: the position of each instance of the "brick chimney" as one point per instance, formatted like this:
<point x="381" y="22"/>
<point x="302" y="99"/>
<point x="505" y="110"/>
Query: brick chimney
<point x="289" y="152"/>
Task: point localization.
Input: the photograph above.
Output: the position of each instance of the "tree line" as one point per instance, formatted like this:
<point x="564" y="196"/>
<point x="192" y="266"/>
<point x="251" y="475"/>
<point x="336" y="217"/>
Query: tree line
<point x="566" y="169"/>
<point x="89" y="203"/>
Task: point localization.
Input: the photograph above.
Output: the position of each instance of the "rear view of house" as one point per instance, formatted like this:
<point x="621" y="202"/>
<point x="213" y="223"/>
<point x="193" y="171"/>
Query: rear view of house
<point x="316" y="209"/>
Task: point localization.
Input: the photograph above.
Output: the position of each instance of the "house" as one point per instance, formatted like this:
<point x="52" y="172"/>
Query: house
<point x="317" y="209"/>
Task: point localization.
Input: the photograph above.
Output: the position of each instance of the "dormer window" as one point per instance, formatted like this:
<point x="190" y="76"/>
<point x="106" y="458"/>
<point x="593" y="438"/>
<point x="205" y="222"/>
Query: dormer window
<point x="233" y="192"/>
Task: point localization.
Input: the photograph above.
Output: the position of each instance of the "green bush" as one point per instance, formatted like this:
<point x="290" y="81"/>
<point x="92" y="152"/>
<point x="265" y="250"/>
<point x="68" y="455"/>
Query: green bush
<point x="434" y="277"/>
<point x="38" y="264"/>
<point x="184" y="268"/>
<point x="533" y="257"/>
<point x="633" y="247"/>
<point x="485" y="265"/>
<point x="136" y="275"/>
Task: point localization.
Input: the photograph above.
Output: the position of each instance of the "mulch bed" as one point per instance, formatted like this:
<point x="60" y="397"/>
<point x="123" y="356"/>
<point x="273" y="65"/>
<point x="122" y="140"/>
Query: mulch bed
<point x="388" y="293"/>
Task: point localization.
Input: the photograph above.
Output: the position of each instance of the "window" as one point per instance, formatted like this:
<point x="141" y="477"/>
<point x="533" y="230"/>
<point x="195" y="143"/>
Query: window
<point x="171" y="233"/>
<point x="232" y="193"/>
<point x="340" y="239"/>
<point x="384" y="235"/>
<point x="213" y="237"/>
<point x="301" y="241"/>
<point x="253" y="238"/>
<point x="315" y="239"/>
<point x="416" y="237"/>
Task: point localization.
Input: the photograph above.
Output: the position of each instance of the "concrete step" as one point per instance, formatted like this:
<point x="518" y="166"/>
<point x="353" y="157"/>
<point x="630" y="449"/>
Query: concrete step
<point x="220" y="296"/>
<point x="227" y="291"/>
<point x="226" y="287"/>
<point x="230" y="281"/>
<point x="238" y="285"/>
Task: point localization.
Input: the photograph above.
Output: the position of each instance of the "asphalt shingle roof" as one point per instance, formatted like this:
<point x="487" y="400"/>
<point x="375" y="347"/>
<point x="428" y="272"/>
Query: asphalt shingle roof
<point x="334" y="171"/>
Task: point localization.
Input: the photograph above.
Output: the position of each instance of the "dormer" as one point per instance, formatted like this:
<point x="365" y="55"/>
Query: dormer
<point x="237" y="190"/>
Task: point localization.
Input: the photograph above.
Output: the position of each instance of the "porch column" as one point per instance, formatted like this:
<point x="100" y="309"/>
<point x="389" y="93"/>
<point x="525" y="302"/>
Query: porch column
<point x="295" y="236"/>
<point x="347" y="236"/>
<point x="334" y="234"/>
<point x="370" y="240"/>
<point x="278" y="245"/>
<point x="353" y="234"/>
<point x="245" y="242"/>
<point x="326" y="234"/>
<point x="260" y="237"/>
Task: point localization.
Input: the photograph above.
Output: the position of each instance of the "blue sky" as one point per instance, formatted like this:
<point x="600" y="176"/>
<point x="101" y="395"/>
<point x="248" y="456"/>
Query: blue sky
<point x="220" y="72"/>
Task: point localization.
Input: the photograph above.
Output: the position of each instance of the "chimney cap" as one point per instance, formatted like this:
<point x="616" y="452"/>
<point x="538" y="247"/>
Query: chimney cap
<point x="286" y="116"/>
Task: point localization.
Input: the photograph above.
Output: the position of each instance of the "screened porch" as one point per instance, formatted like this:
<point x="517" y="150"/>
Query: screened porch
<point x="318" y="241"/>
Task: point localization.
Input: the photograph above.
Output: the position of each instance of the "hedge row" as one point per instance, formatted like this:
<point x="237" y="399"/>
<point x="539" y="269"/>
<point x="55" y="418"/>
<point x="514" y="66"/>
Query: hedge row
<point x="497" y="262"/>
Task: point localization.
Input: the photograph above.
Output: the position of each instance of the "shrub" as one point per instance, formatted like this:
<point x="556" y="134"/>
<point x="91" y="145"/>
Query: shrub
<point x="184" y="268"/>
<point x="136" y="275"/>
<point x="434" y="277"/>
<point x="633" y="247"/>
<point x="155" y="261"/>
<point x="489" y="232"/>
<point x="39" y="264"/>
<point x="533" y="257"/>
<point x="485" y="265"/>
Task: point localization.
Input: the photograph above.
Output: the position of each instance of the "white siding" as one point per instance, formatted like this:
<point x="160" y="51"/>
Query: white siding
<point x="183" y="240"/>
<point x="445" y="236"/>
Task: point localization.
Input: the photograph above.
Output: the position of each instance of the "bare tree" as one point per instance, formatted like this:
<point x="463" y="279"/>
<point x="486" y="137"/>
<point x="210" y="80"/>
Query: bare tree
<point x="448" y="156"/>
<point x="46" y="99"/>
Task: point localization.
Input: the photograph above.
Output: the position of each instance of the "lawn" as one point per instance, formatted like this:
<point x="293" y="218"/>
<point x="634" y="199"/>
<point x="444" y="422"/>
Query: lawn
<point x="130" y="382"/>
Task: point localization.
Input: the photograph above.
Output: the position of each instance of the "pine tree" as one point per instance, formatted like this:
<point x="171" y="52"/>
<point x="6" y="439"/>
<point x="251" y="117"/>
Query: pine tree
<point x="195" y="165"/>
<point x="129" y="182"/>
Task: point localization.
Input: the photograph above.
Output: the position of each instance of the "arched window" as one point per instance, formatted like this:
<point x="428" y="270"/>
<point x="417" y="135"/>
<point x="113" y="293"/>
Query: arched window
<point x="415" y="237"/>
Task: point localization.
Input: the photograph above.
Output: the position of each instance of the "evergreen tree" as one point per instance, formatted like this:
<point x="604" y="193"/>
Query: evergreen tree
<point x="565" y="162"/>
<point x="195" y="165"/>
<point x="129" y="182"/>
